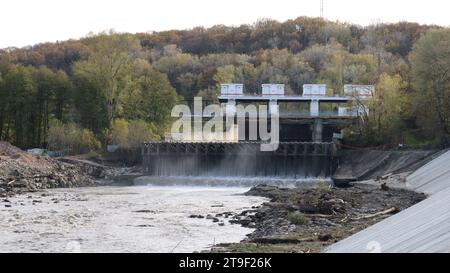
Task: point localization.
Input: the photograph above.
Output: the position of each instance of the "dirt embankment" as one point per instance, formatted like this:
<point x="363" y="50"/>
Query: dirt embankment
<point x="309" y="219"/>
<point x="24" y="172"/>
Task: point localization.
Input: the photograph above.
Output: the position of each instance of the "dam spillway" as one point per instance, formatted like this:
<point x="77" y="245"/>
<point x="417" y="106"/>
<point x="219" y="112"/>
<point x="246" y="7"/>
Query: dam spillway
<point x="292" y="160"/>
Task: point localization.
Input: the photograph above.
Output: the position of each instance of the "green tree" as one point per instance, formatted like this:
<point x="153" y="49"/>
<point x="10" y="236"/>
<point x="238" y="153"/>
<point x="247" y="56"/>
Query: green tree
<point x="69" y="138"/>
<point x="51" y="99"/>
<point x="333" y="73"/>
<point x="225" y="74"/>
<point x="430" y="67"/>
<point x="118" y="134"/>
<point x="18" y="93"/>
<point x="89" y="104"/>
<point x="132" y="134"/>
<point x="140" y="131"/>
<point x="384" y="114"/>
<point x="108" y="67"/>
<point x="152" y="97"/>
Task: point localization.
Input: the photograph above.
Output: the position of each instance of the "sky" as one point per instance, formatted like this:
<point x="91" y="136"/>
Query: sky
<point x="27" y="22"/>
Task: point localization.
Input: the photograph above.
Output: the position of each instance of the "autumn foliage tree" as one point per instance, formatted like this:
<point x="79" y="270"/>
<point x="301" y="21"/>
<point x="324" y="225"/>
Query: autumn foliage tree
<point x="100" y="79"/>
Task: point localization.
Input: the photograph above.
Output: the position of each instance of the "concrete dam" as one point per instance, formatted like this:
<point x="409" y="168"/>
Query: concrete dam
<point x="292" y="160"/>
<point x="309" y="129"/>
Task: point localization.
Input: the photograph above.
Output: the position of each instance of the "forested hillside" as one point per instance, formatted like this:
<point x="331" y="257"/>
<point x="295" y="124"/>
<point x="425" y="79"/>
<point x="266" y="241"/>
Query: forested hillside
<point x="120" y="88"/>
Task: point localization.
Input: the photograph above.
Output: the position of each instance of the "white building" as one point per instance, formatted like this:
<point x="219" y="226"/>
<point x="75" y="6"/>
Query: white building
<point x="231" y="89"/>
<point x="314" y="90"/>
<point x="273" y="89"/>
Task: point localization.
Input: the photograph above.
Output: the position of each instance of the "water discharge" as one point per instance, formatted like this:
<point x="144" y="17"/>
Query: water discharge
<point x="292" y="160"/>
<point x="229" y="181"/>
<point x="122" y="219"/>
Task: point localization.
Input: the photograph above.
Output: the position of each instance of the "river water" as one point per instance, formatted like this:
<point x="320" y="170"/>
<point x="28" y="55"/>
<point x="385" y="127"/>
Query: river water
<point x="121" y="219"/>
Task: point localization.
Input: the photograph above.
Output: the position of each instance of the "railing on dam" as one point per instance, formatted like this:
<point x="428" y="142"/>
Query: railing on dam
<point x="290" y="160"/>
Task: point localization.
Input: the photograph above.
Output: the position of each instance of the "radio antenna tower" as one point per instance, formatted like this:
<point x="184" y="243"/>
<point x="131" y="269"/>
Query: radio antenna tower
<point x="321" y="8"/>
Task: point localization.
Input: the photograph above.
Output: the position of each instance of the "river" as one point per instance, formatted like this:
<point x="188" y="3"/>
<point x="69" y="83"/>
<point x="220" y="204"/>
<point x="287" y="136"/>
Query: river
<point x="121" y="219"/>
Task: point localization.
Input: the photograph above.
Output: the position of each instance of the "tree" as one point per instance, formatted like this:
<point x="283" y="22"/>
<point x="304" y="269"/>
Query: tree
<point x="140" y="131"/>
<point x="51" y="99"/>
<point x="69" y="138"/>
<point x="430" y="69"/>
<point x="132" y="134"/>
<point x="18" y="93"/>
<point x="389" y="108"/>
<point x="152" y="97"/>
<point x="62" y="95"/>
<point x="333" y="73"/>
<point x="332" y="30"/>
<point x="317" y="56"/>
<point x="89" y="103"/>
<point x="118" y="134"/>
<point x="383" y="115"/>
<point x="30" y="98"/>
<point x="177" y="64"/>
<point x="361" y="69"/>
<point x="110" y="61"/>
<point x="95" y="80"/>
<point x="225" y="74"/>
<point x="186" y="84"/>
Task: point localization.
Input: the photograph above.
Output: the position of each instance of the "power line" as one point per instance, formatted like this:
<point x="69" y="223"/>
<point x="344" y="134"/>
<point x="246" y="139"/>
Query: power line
<point x="321" y="8"/>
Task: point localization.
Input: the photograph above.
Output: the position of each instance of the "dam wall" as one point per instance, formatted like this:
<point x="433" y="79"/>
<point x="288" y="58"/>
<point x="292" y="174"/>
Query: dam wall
<point x="293" y="160"/>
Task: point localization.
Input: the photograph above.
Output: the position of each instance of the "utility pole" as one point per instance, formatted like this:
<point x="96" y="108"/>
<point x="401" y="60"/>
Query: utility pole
<point x="321" y="8"/>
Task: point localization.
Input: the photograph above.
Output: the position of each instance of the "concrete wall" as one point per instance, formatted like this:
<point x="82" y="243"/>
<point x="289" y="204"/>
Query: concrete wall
<point x="432" y="178"/>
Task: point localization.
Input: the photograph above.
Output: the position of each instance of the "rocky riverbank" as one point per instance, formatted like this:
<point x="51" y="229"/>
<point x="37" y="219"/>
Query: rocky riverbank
<point x="25" y="172"/>
<point x="309" y="219"/>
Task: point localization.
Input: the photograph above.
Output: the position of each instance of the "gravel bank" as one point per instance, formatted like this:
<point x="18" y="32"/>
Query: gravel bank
<point x="309" y="219"/>
<point x="24" y="172"/>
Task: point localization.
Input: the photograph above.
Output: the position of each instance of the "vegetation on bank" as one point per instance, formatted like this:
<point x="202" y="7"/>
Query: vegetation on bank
<point x="120" y="88"/>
